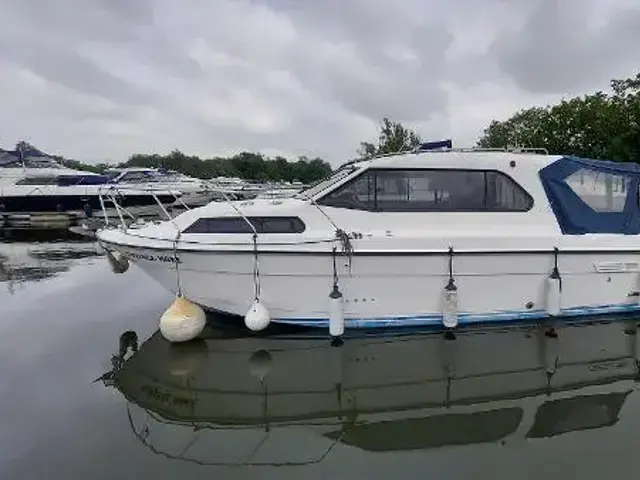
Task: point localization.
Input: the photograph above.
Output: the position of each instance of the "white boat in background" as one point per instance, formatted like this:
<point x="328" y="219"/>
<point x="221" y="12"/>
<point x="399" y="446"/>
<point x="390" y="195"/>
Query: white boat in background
<point x="422" y="238"/>
<point x="195" y="192"/>
<point x="280" y="190"/>
<point x="233" y="187"/>
<point x="32" y="182"/>
<point x="200" y="401"/>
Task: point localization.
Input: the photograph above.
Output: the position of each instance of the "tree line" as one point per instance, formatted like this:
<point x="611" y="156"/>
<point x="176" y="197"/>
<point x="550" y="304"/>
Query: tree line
<point x="599" y="125"/>
<point x="246" y="165"/>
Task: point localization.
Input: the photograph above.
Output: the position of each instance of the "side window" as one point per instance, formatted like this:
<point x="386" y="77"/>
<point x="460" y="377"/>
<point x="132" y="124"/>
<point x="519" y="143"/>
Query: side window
<point x="132" y="177"/>
<point x="431" y="190"/>
<point x="277" y="224"/>
<point x="505" y="195"/>
<point x="239" y="225"/>
<point x="357" y="194"/>
<point x="37" y="181"/>
<point x="601" y="191"/>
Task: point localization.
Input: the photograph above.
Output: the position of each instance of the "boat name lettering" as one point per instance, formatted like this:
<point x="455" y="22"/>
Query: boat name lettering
<point x="153" y="258"/>
<point x="166" y="397"/>
<point x="608" y="365"/>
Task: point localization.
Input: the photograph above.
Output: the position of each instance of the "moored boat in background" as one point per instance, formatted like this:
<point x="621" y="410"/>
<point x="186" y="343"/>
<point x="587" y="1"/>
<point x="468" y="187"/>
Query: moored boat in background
<point x="34" y="185"/>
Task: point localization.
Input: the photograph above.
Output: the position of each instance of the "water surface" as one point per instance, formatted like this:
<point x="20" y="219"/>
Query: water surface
<point x="90" y="389"/>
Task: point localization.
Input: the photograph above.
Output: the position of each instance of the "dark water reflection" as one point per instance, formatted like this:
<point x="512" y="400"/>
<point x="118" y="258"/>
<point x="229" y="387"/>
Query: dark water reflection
<point x="91" y="390"/>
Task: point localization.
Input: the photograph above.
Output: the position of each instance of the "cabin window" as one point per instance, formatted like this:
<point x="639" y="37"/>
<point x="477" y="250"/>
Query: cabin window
<point x="602" y="191"/>
<point x="38" y="181"/>
<point x="239" y="225"/>
<point x="358" y="194"/>
<point x="133" y="177"/>
<point x="431" y="190"/>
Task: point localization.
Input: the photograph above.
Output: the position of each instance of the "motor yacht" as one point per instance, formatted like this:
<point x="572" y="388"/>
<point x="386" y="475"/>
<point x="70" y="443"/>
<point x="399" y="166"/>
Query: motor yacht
<point x="33" y="182"/>
<point x="428" y="237"/>
<point x="195" y="192"/>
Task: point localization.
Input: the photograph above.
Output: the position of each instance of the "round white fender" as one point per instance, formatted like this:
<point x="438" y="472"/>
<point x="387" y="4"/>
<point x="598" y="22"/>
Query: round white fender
<point x="182" y="321"/>
<point x="257" y="318"/>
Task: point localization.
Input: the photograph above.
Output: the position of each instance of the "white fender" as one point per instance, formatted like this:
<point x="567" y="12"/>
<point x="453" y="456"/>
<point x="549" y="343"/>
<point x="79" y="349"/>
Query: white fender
<point x="257" y="317"/>
<point x="182" y="321"/>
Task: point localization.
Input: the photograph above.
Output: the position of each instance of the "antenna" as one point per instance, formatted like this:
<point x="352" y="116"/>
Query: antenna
<point x="20" y="151"/>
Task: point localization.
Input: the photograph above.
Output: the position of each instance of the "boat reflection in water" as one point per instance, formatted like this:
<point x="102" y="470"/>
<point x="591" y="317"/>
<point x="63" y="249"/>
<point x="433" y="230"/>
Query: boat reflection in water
<point x="35" y="258"/>
<point x="227" y="399"/>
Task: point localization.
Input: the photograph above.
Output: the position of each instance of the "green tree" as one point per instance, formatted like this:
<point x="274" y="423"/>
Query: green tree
<point x="599" y="125"/>
<point x="393" y="137"/>
<point x="246" y="165"/>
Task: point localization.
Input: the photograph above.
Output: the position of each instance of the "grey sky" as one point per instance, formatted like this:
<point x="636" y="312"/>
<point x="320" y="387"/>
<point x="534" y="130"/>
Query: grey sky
<point x="101" y="79"/>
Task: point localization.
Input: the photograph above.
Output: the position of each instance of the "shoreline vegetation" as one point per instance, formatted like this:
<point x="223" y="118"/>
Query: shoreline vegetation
<point x="600" y="125"/>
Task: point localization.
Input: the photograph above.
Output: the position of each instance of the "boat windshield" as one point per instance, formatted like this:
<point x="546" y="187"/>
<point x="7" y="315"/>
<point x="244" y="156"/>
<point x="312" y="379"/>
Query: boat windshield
<point x="323" y="184"/>
<point x="9" y="160"/>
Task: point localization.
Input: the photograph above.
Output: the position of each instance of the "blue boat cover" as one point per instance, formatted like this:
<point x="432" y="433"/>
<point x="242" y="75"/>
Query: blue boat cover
<point x="69" y="180"/>
<point x="575" y="210"/>
<point x="435" y="145"/>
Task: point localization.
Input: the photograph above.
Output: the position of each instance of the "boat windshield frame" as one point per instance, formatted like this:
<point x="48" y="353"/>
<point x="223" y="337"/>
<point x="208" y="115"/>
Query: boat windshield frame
<point x="322" y="185"/>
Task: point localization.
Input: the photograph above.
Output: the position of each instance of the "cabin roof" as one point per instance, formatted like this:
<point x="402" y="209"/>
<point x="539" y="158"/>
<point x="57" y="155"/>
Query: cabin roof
<point x="460" y="159"/>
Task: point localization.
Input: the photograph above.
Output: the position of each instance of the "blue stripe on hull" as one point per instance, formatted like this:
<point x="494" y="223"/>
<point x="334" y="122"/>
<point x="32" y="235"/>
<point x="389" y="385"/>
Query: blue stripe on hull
<point x="435" y="320"/>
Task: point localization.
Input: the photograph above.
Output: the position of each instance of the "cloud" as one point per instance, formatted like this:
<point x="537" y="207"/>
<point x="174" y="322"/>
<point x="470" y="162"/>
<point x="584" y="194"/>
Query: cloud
<point x="561" y="48"/>
<point x="101" y="79"/>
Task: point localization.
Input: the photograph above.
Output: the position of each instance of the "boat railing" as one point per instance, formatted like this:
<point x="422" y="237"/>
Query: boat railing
<point x="109" y="196"/>
<point x="516" y="150"/>
<point x="144" y="434"/>
<point x="420" y="149"/>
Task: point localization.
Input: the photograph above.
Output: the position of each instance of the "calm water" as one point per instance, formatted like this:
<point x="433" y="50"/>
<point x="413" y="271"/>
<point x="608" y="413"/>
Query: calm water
<point x="90" y="390"/>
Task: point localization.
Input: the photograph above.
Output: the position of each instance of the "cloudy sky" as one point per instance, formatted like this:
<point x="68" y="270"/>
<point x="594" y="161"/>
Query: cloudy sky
<point x="100" y="79"/>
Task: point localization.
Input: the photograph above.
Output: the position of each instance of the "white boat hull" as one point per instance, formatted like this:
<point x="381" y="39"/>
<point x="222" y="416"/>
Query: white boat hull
<point x="404" y="218"/>
<point x="396" y="290"/>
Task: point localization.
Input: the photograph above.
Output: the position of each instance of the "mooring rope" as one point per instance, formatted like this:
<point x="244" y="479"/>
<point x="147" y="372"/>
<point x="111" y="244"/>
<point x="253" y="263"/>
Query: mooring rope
<point x="177" y="262"/>
<point x="335" y="268"/>
<point x="341" y="235"/>
<point x="256" y="268"/>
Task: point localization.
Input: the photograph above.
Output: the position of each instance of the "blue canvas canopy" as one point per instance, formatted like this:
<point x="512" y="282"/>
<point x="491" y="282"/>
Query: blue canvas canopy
<point x="576" y="214"/>
<point x="69" y="180"/>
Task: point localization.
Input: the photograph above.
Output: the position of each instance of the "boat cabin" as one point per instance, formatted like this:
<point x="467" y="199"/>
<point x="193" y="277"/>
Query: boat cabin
<point x="585" y="196"/>
<point x="134" y="175"/>
<point x="451" y="193"/>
